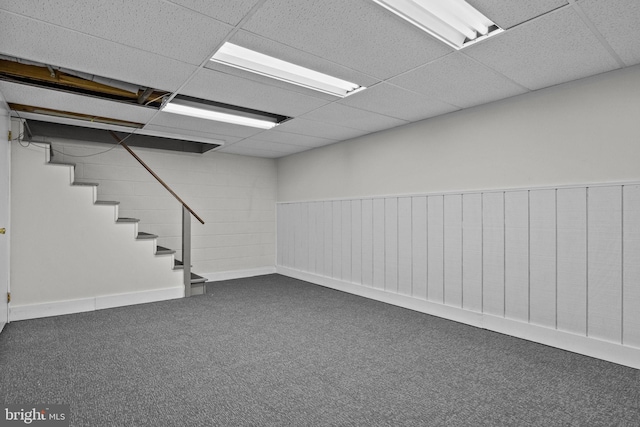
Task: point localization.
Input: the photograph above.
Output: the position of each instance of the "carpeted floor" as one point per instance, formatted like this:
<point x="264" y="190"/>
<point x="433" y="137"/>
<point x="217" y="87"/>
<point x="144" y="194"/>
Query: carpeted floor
<point x="272" y="350"/>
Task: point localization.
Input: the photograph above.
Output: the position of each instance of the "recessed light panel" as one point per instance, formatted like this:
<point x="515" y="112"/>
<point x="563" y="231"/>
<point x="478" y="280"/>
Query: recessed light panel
<point x="216" y="111"/>
<point x="455" y="22"/>
<point x="265" y="65"/>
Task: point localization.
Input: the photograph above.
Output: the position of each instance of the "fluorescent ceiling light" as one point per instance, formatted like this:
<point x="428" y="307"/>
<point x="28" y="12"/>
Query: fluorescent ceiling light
<point x="454" y="22"/>
<point x="217" y="116"/>
<point x="209" y="110"/>
<point x="259" y="63"/>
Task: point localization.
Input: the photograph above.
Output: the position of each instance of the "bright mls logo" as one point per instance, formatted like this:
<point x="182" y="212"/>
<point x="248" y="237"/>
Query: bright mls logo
<point x="35" y="415"/>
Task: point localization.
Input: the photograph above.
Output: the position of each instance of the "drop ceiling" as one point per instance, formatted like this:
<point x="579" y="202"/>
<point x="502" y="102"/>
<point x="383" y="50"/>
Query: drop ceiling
<point x="410" y="76"/>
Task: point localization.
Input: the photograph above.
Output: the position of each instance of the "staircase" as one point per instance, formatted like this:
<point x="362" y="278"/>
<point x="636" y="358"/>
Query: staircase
<point x="198" y="283"/>
<point x="72" y="252"/>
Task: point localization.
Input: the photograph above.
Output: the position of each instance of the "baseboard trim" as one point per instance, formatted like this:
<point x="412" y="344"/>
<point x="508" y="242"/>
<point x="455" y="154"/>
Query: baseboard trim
<point x="611" y="352"/>
<point x="239" y="274"/>
<point x="58" y="308"/>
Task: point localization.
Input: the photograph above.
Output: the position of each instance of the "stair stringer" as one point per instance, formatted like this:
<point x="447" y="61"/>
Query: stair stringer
<point x="67" y="250"/>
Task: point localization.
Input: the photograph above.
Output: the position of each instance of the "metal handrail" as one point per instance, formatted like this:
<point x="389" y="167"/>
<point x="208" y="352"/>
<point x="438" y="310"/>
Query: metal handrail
<point x="126" y="147"/>
<point x="186" y="220"/>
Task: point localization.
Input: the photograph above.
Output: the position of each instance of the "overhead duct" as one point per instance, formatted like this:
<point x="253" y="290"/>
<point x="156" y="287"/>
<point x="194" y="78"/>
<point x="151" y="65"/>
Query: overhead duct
<point x="57" y="78"/>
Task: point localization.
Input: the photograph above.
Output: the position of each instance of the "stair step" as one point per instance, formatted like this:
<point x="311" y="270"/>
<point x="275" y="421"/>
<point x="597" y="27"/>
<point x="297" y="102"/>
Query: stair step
<point x="123" y="219"/>
<point x="144" y="236"/>
<point x="161" y="250"/>
<point x="197" y="279"/>
<point x="85" y="184"/>
<point x="106" y="202"/>
<point x="63" y="164"/>
<point x="178" y="265"/>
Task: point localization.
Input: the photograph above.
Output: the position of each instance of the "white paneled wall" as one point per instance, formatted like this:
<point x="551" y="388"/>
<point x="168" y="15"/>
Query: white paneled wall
<point x="560" y="259"/>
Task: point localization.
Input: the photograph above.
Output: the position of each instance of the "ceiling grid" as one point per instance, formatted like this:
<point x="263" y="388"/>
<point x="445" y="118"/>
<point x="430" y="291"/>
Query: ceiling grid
<point x="408" y="74"/>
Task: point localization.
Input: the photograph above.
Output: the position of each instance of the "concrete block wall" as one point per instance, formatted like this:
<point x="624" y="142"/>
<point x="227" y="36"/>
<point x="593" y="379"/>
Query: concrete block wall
<point x="235" y="196"/>
<point x="69" y="255"/>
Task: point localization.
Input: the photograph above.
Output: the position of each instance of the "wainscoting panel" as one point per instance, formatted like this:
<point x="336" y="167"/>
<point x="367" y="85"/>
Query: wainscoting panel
<point x="391" y="244"/>
<point x="336" y="240"/>
<point x="404" y="246"/>
<point x="435" y="249"/>
<point x="327" y="221"/>
<point x="493" y="253"/>
<point x="378" y="244"/>
<point x="631" y="266"/>
<point x="367" y="242"/>
<point x="542" y="280"/>
<point x="562" y="260"/>
<point x="314" y="241"/>
<point x="516" y="253"/>
<point x="302" y="242"/>
<point x="472" y="252"/>
<point x="572" y="260"/>
<point x="604" y="263"/>
<point x="356" y="241"/>
<point x="346" y="235"/>
<point x="419" y="247"/>
<point x="453" y="250"/>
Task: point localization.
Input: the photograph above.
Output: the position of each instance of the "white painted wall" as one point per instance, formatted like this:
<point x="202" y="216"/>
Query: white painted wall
<point x="69" y="255"/>
<point x="5" y="188"/>
<point x="553" y="259"/>
<point x="235" y="196"/>
<point x="585" y="131"/>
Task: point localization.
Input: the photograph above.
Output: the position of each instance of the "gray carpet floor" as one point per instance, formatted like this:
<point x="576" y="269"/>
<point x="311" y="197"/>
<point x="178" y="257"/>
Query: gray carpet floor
<point x="272" y="350"/>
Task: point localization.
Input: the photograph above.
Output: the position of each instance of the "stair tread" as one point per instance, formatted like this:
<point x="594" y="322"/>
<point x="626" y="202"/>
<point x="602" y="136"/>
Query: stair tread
<point x="161" y="250"/>
<point x="125" y="219"/>
<point x="88" y="184"/>
<point x="143" y="235"/>
<point x="197" y="279"/>
<point x="63" y="164"/>
<point x="106" y="202"/>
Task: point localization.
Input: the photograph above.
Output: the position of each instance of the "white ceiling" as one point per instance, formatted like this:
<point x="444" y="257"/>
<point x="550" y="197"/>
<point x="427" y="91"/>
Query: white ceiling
<point x="409" y="75"/>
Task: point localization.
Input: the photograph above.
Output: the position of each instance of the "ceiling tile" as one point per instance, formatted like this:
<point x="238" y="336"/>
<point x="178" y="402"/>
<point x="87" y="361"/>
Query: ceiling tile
<point x="555" y="48"/>
<point x="153" y="25"/>
<point x="178" y="121"/>
<point x="360" y="35"/>
<point x="64" y="101"/>
<point x="230" y="89"/>
<point x="230" y="12"/>
<point x="319" y="129"/>
<point x="395" y="102"/>
<point x="294" y="138"/>
<point x="356" y="118"/>
<point x="258" y="144"/>
<point x="513" y="12"/>
<point x="243" y="151"/>
<point x="458" y="80"/>
<point x="618" y="21"/>
<point x="37" y="41"/>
